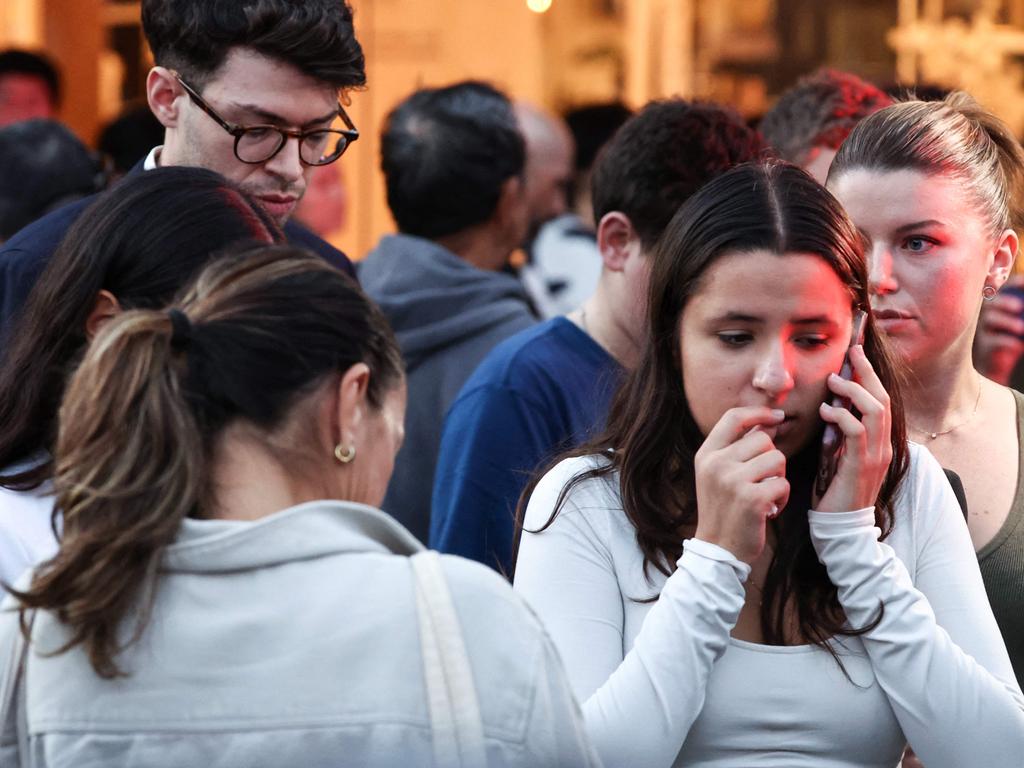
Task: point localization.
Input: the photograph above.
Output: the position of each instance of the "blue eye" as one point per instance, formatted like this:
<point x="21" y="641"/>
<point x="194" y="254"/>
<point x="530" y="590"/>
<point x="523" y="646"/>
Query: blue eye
<point x="918" y="244"/>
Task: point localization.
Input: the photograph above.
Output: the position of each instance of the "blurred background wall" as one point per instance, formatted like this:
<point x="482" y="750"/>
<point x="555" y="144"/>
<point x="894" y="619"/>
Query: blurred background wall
<point x="566" y="53"/>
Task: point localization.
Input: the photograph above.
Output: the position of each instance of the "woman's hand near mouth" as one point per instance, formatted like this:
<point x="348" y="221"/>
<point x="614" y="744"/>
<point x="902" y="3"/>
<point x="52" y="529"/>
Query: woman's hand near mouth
<point x="741" y="481"/>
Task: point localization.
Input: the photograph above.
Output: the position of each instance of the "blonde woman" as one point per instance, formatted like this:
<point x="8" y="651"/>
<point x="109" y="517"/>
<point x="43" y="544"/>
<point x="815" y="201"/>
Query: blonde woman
<point x="936" y="188"/>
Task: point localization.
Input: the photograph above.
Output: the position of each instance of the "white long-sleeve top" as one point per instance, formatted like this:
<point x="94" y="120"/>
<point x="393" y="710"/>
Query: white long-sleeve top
<point x="663" y="683"/>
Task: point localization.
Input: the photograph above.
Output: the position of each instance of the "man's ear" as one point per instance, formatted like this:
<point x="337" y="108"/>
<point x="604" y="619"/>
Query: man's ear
<point x="616" y="240"/>
<point x="104" y="308"/>
<point x="1003" y="258"/>
<point x="511" y="208"/>
<point x="162" y="92"/>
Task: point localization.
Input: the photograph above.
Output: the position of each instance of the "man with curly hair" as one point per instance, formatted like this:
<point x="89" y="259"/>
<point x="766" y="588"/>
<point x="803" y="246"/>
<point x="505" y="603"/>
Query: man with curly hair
<point x="811" y="119"/>
<point x="548" y="387"/>
<point x="251" y="89"/>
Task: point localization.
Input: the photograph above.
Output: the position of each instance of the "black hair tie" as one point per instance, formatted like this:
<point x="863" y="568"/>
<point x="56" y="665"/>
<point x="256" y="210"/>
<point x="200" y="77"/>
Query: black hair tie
<point x="181" y="329"/>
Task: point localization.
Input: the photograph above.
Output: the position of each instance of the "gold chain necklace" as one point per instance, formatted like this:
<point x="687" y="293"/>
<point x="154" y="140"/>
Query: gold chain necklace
<point x="933" y="435"/>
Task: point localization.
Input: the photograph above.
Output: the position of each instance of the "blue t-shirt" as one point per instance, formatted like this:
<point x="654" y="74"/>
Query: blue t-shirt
<point x="539" y="392"/>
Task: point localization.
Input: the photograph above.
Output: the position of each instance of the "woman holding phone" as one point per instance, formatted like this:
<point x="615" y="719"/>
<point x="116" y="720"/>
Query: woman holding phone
<point x="936" y="189"/>
<point x="710" y="608"/>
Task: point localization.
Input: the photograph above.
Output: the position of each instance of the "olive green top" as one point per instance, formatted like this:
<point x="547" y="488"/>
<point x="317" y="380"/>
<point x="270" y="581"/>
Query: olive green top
<point x="1002" y="565"/>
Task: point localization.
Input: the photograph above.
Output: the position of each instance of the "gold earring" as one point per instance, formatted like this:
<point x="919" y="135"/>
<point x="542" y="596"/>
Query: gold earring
<point x="346" y="454"/>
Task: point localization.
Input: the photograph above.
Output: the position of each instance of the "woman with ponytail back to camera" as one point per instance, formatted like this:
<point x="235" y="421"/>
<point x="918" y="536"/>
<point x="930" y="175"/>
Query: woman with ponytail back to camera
<point x="226" y="591"/>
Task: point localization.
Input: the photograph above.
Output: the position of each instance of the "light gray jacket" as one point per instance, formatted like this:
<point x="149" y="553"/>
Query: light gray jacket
<point x="294" y="640"/>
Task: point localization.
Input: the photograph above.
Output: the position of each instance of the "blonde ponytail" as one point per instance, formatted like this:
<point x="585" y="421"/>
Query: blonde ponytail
<point x="955" y="137"/>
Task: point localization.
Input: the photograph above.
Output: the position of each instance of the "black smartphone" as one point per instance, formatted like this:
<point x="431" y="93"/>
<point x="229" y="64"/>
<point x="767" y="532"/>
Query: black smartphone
<point x="832" y="440"/>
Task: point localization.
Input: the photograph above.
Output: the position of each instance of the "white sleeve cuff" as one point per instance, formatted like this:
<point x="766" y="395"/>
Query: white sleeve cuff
<point x="710" y="551"/>
<point x="835" y="521"/>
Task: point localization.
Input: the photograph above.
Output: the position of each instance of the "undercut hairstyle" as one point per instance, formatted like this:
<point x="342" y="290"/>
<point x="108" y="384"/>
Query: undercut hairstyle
<point x="651" y="438"/>
<point x="193" y="37"/>
<point x="140" y="241"/>
<point x="819" y="111"/>
<point x="17" y="62"/>
<point x="955" y="137"/>
<point x="658" y="159"/>
<point x="446" y="154"/>
<point x="257" y="335"/>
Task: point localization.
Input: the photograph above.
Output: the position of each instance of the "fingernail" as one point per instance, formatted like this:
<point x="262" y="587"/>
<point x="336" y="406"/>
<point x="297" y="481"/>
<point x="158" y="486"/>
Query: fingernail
<point x="826" y="406"/>
<point x="777" y="414"/>
<point x="834" y="377"/>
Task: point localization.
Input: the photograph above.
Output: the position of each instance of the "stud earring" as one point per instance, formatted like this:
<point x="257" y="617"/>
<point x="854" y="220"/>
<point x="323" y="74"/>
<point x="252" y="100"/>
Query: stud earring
<point x="989" y="292"/>
<point x="344" y="454"/>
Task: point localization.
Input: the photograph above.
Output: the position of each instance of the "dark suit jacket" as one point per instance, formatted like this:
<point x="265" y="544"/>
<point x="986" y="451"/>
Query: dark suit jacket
<point x="24" y="256"/>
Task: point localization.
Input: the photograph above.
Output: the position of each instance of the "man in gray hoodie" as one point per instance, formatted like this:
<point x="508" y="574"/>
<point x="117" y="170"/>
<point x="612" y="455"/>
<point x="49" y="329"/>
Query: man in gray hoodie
<point x="453" y="162"/>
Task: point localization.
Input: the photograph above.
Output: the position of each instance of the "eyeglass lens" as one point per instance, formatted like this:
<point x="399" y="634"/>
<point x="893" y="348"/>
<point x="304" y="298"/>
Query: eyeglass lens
<point x="259" y="144"/>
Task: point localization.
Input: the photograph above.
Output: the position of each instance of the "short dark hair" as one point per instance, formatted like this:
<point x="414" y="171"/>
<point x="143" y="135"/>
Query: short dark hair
<point x="17" y="62"/>
<point x="127" y="139"/>
<point x="43" y="165"/>
<point x="193" y="37"/>
<point x="663" y="155"/>
<point x="445" y="153"/>
<point x="142" y="241"/>
<point x="592" y="127"/>
<point x="819" y="111"/>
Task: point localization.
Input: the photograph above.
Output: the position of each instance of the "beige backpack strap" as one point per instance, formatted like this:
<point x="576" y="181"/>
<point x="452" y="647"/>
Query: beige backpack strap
<point x="12" y="692"/>
<point x="457" y="728"/>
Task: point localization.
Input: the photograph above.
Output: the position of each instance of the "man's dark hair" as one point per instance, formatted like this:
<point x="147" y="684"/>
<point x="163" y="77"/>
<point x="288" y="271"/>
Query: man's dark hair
<point x="662" y="156"/>
<point x="18" y="62"/>
<point x="129" y="137"/>
<point x="592" y="127"/>
<point x="445" y="153"/>
<point x="819" y="111"/>
<point x="193" y="37"/>
<point x="43" y="166"/>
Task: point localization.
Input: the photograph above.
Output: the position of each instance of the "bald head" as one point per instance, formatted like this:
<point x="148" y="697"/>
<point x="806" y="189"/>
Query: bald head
<point x="549" y="163"/>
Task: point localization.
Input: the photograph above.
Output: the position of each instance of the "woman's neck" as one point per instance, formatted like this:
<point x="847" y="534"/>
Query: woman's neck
<point x="249" y="482"/>
<point x="941" y="396"/>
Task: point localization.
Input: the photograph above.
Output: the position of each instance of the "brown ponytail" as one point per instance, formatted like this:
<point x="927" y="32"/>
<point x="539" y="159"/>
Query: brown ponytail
<point x="129" y="469"/>
<point x="256" y="333"/>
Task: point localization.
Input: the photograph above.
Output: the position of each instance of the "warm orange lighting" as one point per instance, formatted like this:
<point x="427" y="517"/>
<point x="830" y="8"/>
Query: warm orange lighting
<point x="538" y="6"/>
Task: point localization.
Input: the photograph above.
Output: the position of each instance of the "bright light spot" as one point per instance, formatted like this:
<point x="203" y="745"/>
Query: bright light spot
<point x="538" y="6"/>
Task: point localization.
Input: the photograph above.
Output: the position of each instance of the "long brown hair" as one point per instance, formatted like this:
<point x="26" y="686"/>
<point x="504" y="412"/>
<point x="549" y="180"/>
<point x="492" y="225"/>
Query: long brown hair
<point x="651" y="438"/>
<point x="141" y="241"/>
<point x="258" y="333"/>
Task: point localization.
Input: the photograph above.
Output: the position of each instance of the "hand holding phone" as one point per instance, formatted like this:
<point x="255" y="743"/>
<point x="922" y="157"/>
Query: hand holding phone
<point x="832" y="440"/>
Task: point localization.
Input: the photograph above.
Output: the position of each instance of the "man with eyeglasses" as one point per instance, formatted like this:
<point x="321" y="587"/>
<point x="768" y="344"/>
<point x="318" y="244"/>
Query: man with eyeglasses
<point x="251" y="89"/>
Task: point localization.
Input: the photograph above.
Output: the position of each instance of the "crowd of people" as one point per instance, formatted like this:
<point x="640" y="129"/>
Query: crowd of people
<point x="650" y="438"/>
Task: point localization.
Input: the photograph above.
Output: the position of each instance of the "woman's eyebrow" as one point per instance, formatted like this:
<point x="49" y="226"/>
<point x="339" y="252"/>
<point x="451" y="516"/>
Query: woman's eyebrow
<point x="736" y="317"/>
<point x="919" y="225"/>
